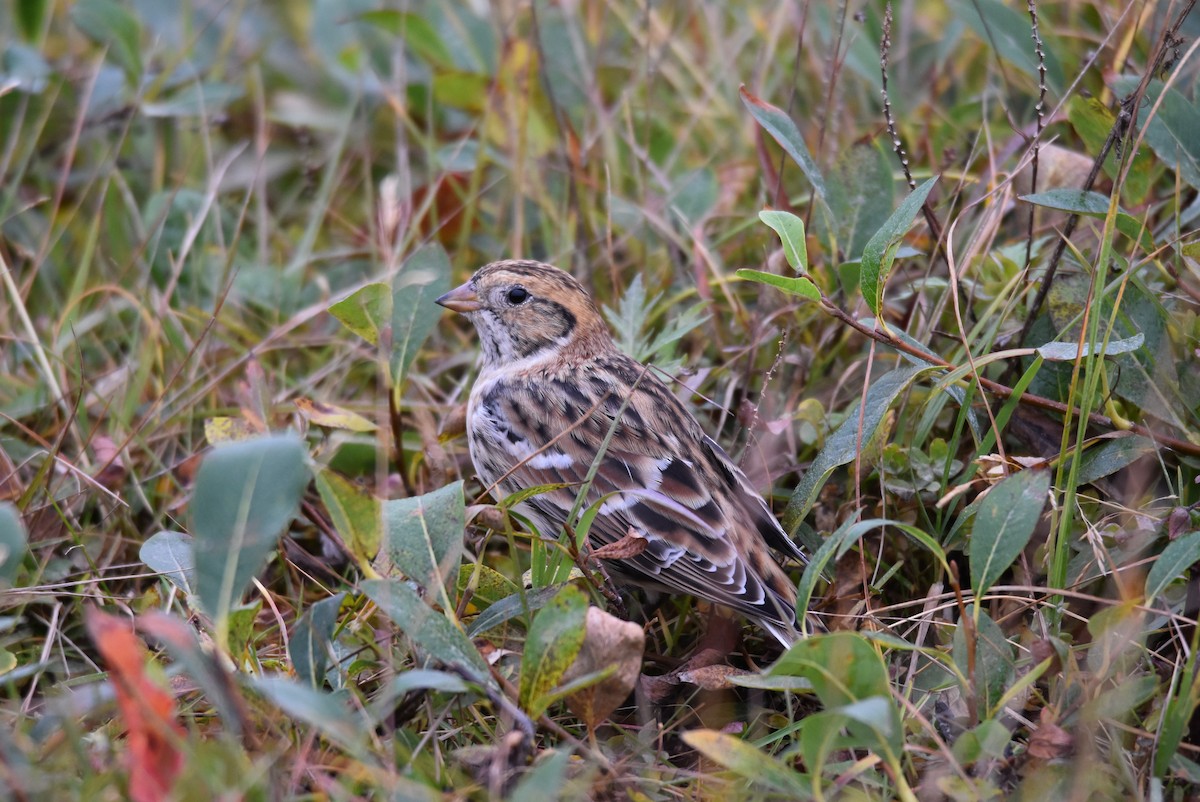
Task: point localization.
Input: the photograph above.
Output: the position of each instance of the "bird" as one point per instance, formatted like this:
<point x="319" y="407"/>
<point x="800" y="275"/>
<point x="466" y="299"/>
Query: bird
<point x="554" y="394"/>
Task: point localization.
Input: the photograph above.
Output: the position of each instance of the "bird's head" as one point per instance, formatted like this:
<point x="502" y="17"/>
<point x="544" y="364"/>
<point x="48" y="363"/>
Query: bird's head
<point x="524" y="309"/>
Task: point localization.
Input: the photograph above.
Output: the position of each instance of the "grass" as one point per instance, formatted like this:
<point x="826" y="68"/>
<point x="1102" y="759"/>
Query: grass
<point x="978" y="413"/>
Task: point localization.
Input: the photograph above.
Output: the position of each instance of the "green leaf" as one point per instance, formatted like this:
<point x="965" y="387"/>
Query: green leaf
<point x="246" y="495"/>
<point x="694" y="195"/>
<point x="355" y="513"/>
<point x="308" y="646"/>
<point x="1003" y="525"/>
<point x="990" y="739"/>
<point x="820" y="735"/>
<point x="842" y="445"/>
<point x="423" y="537"/>
<point x="30" y="16"/>
<point x="507" y="609"/>
<point x="554" y="640"/>
<point x="790" y="229"/>
<point x="112" y="26"/>
<point x="172" y="554"/>
<point x="366" y="311"/>
<point x="796" y="286"/>
<point x="1069" y="351"/>
<point x="843" y="667"/>
<point x="12" y="543"/>
<point x="1092" y="120"/>
<point x="1171" y="133"/>
<point x="417" y="33"/>
<point x="1092" y="204"/>
<point x="427" y="628"/>
<point x="779" y="125"/>
<point x="487" y="585"/>
<point x="1175" y="561"/>
<point x="861" y="196"/>
<point x="880" y="251"/>
<point x="1111" y="456"/>
<point x="851" y="679"/>
<point x="749" y="763"/>
<point x="329" y="714"/>
<point x="424" y="277"/>
<point x="417" y="679"/>
<point x="994" y="664"/>
<point x="1007" y="31"/>
<point x="1119" y="702"/>
<point x="1077" y="201"/>
<point x="468" y="91"/>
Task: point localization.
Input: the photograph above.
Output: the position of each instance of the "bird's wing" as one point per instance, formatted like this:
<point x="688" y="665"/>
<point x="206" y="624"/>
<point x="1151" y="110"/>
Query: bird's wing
<point x="707" y="530"/>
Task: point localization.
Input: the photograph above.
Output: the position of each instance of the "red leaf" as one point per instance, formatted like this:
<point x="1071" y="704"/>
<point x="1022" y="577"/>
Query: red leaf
<point x="147" y="709"/>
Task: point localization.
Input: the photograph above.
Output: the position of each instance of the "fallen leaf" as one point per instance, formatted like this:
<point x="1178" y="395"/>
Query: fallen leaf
<point x="1050" y="741"/>
<point x="711" y="678"/>
<point x="627" y="547"/>
<point x="229" y="430"/>
<point x="147" y="709"/>
<point x="333" y="417"/>
<point x="607" y="640"/>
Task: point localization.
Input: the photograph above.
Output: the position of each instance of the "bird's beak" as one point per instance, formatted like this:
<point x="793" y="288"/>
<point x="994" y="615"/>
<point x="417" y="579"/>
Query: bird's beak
<point x="461" y="299"/>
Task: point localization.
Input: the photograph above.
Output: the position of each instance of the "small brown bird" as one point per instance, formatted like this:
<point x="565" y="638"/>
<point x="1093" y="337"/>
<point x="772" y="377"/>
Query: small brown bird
<point x="553" y="387"/>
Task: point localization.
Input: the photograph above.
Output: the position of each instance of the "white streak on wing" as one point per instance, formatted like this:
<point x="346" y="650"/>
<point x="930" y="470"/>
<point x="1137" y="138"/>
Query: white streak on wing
<point x="555" y="460"/>
<point x="616" y="503"/>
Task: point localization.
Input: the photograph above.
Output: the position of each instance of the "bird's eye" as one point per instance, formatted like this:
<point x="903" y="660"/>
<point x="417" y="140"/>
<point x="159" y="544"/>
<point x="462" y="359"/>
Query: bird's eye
<point x="518" y="295"/>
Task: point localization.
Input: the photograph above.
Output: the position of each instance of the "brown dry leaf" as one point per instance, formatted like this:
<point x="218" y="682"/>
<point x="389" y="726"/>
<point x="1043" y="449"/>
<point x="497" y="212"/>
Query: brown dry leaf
<point x="627" y="547"/>
<point x="333" y="417"/>
<point x="656" y="688"/>
<point x="1057" y="167"/>
<point x="1050" y="741"/>
<point x="146" y="708"/>
<point x="711" y="678"/>
<point x="1041" y="649"/>
<point x="607" y="640"/>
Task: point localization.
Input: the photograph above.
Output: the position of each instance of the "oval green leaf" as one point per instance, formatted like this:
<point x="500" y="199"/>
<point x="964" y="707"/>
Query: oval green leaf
<point x="880" y="251"/>
<point x="843" y="444"/>
<point x="790" y="229"/>
<point x="426" y="627"/>
<point x="356" y="514"/>
<point x="172" y="554"/>
<point x="1003" y="525"/>
<point x="795" y="286"/>
<point x="783" y="130"/>
<point x="554" y="640"/>
<point x="1176" y="559"/>
<point x="246" y="495"/>
<point x="424" y="277"/>
<point x="423" y="537"/>
<point x="366" y="311"/>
